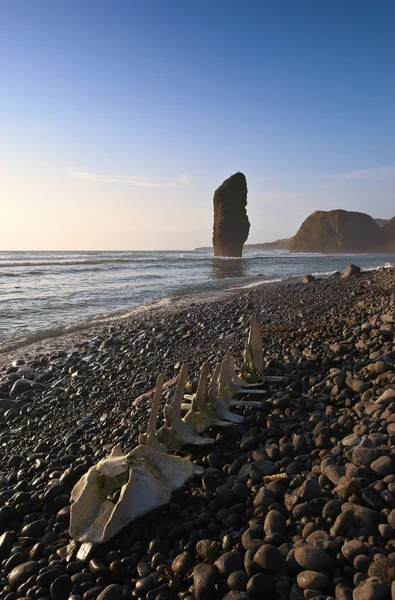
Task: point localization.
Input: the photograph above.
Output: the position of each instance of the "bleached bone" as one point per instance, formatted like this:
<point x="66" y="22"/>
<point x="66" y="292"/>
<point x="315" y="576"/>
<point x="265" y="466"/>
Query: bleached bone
<point x="252" y="367"/>
<point x="176" y="432"/>
<point x="235" y="377"/>
<point x="219" y="405"/>
<point x="145" y="478"/>
<point x="225" y="394"/>
<point x="234" y="383"/>
<point x="200" y="414"/>
<point x="149" y="438"/>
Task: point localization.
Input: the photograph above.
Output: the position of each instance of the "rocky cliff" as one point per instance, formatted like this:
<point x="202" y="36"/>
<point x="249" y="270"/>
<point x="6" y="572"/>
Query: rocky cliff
<point x="338" y="231"/>
<point x="381" y="222"/>
<point x="389" y="235"/>
<point x="268" y="246"/>
<point x="231" y="225"/>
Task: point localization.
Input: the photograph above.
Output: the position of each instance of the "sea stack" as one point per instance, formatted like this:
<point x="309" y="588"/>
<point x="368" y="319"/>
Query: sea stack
<point x="231" y="224"/>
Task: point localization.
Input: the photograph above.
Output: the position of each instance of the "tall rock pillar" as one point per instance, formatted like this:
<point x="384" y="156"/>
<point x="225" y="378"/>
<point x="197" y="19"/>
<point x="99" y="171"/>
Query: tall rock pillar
<point x="231" y="224"/>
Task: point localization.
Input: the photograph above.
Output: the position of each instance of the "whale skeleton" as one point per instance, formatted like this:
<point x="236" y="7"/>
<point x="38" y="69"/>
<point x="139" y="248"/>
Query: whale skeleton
<point x="178" y="432"/>
<point x="252" y="369"/>
<point x="123" y="487"/>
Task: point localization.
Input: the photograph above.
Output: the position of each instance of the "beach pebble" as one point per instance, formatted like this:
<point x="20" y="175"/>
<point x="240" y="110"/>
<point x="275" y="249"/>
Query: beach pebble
<point x="312" y="580"/>
<point x="269" y="558"/>
<point x="22" y="573"/>
<point x="182" y="564"/>
<point x="61" y="588"/>
<point x="261" y="585"/>
<point x="111" y="592"/>
<point x="312" y="558"/>
<point x="205" y="577"/>
<point x="20" y="386"/>
<point x="238" y="581"/>
<point x="372" y="588"/>
<point x="229" y="562"/>
<point x="383" y="466"/>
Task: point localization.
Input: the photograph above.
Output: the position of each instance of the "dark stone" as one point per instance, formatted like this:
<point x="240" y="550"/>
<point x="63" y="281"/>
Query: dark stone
<point x="312" y="580"/>
<point x="312" y="558"/>
<point x="238" y="581"/>
<point x="309" y="489"/>
<point x="204" y="579"/>
<point x="308" y="278"/>
<point x="343" y="522"/>
<point x="275" y="523"/>
<point x="353" y="269"/>
<point x="22" y="573"/>
<point x="373" y="588"/>
<point x="269" y="558"/>
<point x="251" y="535"/>
<point x="111" y="592"/>
<point x="35" y="529"/>
<point x="352" y="549"/>
<point x="229" y="562"/>
<point x="182" y="564"/>
<point x="6" y="541"/>
<point x="61" y="588"/>
<point x="208" y="549"/>
<point x="46" y="579"/>
<point x="20" y="386"/>
<point x="383" y="466"/>
<point x="261" y="586"/>
<point x="145" y="585"/>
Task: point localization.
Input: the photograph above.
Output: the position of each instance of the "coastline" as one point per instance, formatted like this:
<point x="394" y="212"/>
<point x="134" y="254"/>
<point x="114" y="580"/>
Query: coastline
<point x="64" y="337"/>
<point x="68" y="336"/>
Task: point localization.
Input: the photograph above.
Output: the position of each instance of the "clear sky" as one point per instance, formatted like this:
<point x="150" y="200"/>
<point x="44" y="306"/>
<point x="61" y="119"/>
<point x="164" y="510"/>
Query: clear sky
<point x="119" y="118"/>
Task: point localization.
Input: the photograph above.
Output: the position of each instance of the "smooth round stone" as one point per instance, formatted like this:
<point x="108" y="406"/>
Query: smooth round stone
<point x="269" y="558"/>
<point x="312" y="580"/>
<point x="238" y="581"/>
<point x="312" y="558"/>
<point x="20" y="386"/>
<point x="249" y="537"/>
<point x="373" y="588"/>
<point x="383" y="466"/>
<point x="204" y="579"/>
<point x="260" y="586"/>
<point x="275" y="522"/>
<point x="146" y="584"/>
<point x="182" y="564"/>
<point x="229" y="562"/>
<point x="352" y="549"/>
<point x="35" y="529"/>
<point x="6" y="541"/>
<point x="61" y="588"/>
<point x="351" y="440"/>
<point x="111" y="592"/>
<point x="208" y="549"/>
<point x="22" y="573"/>
<point x="98" y="568"/>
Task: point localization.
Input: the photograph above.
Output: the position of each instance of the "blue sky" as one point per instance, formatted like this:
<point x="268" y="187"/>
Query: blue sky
<point x="119" y="118"/>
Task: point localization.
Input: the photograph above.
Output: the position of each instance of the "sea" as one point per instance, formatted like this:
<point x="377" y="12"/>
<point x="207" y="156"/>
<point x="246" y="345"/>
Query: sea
<point x="47" y="294"/>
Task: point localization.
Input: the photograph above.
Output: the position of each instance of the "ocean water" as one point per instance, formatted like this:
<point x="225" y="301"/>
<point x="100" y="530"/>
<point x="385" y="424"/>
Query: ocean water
<point x="43" y="294"/>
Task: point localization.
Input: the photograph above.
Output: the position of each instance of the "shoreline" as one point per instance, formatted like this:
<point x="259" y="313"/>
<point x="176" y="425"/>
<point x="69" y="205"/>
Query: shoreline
<point x="71" y="334"/>
<point x="61" y="337"/>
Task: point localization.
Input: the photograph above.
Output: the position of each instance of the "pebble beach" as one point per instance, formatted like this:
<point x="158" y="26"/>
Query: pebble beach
<point x="323" y="529"/>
